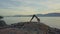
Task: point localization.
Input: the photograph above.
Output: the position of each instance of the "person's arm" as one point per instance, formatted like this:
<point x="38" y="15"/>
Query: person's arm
<point x="32" y="18"/>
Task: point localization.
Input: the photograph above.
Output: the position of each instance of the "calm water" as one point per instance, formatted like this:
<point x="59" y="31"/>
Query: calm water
<point x="51" y="21"/>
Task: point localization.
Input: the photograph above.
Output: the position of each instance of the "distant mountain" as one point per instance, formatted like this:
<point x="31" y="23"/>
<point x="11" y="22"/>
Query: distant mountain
<point x="22" y="15"/>
<point x="39" y="15"/>
<point x="49" y="15"/>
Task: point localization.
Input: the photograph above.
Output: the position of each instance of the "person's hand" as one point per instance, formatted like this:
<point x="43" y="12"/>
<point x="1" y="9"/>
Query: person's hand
<point x="30" y="20"/>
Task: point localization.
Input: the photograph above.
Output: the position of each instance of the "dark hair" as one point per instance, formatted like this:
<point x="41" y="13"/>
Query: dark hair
<point x="1" y="17"/>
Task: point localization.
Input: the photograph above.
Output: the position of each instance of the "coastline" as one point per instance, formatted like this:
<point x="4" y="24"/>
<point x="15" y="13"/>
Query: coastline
<point x="30" y="27"/>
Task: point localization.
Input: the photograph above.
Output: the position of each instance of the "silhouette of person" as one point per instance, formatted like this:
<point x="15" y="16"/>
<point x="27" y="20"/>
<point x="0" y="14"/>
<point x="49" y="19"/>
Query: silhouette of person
<point x="35" y="17"/>
<point x="2" y="22"/>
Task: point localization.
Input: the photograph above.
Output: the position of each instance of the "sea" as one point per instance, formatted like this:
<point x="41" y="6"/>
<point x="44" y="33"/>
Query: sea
<point x="50" y="21"/>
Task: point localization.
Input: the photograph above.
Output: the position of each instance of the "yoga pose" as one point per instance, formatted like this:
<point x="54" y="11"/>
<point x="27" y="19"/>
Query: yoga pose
<point x="36" y="18"/>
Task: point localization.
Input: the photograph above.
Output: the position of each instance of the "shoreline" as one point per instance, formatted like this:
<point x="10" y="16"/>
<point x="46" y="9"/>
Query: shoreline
<point x="31" y="26"/>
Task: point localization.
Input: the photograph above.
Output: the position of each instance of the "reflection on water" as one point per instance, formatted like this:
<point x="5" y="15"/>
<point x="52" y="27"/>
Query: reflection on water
<point x="51" y="21"/>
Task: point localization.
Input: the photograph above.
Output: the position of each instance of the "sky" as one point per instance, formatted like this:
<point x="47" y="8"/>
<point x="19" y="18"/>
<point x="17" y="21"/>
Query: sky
<point x="29" y="7"/>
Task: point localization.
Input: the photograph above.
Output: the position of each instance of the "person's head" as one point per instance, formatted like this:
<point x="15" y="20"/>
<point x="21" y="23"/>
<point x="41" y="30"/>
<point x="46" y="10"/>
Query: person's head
<point x="1" y="17"/>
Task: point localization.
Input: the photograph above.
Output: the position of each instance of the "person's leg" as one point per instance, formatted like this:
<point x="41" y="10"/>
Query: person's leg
<point x="37" y="19"/>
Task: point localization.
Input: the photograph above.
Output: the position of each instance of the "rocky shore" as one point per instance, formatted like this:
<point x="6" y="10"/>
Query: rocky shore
<point x="28" y="28"/>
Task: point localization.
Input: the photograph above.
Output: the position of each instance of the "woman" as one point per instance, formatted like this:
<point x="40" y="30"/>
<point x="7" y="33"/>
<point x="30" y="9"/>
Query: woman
<point x="35" y="17"/>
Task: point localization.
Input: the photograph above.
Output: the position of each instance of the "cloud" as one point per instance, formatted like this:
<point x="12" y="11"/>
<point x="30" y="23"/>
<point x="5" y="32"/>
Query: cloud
<point x="12" y="7"/>
<point x="52" y="4"/>
<point x="9" y="3"/>
<point x="26" y="11"/>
